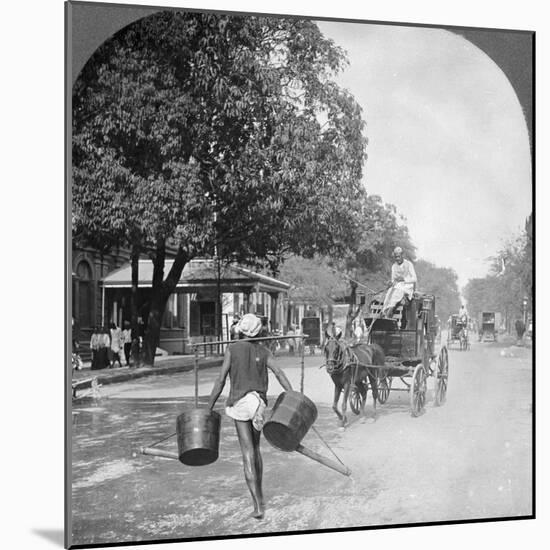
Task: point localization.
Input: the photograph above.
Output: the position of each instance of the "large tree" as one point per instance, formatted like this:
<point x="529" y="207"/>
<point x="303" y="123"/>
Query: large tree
<point x="218" y="135"/>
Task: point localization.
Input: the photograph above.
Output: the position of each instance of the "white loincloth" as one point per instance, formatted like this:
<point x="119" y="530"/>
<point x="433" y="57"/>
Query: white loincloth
<point x="249" y="407"/>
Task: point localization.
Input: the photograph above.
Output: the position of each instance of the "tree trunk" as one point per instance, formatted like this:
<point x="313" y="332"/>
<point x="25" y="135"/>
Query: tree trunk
<point x="219" y="306"/>
<point x="134" y="259"/>
<point x="160" y="292"/>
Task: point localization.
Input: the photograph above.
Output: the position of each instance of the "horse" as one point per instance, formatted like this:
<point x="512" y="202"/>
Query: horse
<point x="347" y="365"/>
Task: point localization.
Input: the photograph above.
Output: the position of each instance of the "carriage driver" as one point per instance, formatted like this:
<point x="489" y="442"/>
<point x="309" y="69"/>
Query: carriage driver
<point x="403" y="281"/>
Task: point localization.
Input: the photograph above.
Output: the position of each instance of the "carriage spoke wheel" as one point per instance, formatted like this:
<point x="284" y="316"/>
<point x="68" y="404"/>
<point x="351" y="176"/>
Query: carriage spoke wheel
<point x="442" y="376"/>
<point x="384" y="387"/>
<point x="356" y="399"/>
<point x="417" y="390"/>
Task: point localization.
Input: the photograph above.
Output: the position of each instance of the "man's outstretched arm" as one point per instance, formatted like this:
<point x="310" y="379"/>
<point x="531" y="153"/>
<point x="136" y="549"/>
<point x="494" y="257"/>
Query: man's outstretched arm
<point x="220" y="382"/>
<point x="279" y="374"/>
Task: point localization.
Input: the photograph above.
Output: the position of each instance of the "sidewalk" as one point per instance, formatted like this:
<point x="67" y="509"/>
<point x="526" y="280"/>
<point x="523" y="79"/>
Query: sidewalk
<point x="168" y="364"/>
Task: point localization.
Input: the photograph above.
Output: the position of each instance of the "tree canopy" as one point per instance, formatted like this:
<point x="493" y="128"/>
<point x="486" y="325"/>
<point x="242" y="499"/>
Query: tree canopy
<point x="313" y="280"/>
<point x="365" y="264"/>
<point x="442" y="282"/>
<point x="368" y="259"/>
<point x="219" y="134"/>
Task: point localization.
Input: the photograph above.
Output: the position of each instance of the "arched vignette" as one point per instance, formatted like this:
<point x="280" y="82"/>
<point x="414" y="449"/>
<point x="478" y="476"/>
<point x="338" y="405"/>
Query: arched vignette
<point x="87" y="27"/>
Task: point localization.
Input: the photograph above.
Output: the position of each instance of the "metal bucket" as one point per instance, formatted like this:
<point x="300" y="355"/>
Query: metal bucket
<point x="292" y="416"/>
<point x="198" y="432"/>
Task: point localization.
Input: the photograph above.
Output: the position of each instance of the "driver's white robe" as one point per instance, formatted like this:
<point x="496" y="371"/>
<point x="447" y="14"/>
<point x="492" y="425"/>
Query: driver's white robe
<point x="400" y="289"/>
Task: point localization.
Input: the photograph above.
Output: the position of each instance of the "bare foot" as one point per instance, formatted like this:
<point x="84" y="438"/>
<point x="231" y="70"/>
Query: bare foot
<point x="257" y="514"/>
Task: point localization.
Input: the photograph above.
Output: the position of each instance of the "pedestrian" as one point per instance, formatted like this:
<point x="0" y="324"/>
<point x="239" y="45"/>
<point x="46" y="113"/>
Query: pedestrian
<point x="463" y="315"/>
<point x="247" y="364"/>
<point x="520" y="330"/>
<point x="116" y="344"/>
<point x="233" y="328"/>
<point x="94" y="347"/>
<point x="291" y="343"/>
<point x="104" y="341"/>
<point x="75" y="335"/>
<point x="127" y="342"/>
<point x="76" y="360"/>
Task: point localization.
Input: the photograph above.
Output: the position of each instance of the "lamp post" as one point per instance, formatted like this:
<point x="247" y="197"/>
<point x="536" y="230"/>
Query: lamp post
<point x="525" y="302"/>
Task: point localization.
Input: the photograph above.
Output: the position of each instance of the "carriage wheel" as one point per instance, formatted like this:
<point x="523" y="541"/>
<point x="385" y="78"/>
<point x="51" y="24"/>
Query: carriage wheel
<point x="356" y="399"/>
<point x="417" y="390"/>
<point x="384" y="387"/>
<point x="442" y="376"/>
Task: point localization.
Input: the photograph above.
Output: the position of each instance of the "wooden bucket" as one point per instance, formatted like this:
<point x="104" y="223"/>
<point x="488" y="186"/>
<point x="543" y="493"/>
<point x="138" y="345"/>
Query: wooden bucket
<point x="198" y="432"/>
<point x="292" y="416"/>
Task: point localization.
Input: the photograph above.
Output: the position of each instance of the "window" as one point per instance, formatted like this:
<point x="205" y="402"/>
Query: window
<point x="84" y="294"/>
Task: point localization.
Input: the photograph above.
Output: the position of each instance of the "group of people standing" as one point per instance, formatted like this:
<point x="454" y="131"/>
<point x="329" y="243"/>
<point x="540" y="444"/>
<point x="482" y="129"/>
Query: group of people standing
<point x="107" y="344"/>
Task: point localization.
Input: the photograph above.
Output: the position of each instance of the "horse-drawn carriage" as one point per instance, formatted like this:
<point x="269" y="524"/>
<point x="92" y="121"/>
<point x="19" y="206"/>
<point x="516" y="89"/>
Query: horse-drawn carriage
<point x="488" y="326"/>
<point x="457" y="332"/>
<point x="401" y="347"/>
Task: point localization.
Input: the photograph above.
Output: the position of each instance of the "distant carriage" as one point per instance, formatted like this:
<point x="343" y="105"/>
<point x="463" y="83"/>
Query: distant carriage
<point x="312" y="327"/>
<point x="457" y="333"/>
<point x="488" y="327"/>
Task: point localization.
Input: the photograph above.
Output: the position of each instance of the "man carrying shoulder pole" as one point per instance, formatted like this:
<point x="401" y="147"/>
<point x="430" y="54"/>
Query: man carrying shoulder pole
<point x="247" y="364"/>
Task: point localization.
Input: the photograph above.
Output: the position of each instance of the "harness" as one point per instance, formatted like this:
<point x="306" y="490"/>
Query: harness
<point x="345" y="357"/>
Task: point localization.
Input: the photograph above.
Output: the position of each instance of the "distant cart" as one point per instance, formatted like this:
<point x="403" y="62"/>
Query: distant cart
<point x="312" y="327"/>
<point x="457" y="333"/>
<point x="488" y="327"/>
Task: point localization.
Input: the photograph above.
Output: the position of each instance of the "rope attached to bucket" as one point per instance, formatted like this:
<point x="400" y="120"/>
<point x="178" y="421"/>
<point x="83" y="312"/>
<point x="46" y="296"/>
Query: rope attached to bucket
<point x="163" y="439"/>
<point x="327" y="445"/>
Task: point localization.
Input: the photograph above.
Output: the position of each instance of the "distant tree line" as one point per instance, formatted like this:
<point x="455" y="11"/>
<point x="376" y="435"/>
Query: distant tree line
<point x="509" y="282"/>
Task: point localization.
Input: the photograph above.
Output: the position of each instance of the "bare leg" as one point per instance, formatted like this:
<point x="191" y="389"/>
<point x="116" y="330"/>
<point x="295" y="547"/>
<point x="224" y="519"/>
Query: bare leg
<point x="249" y="440"/>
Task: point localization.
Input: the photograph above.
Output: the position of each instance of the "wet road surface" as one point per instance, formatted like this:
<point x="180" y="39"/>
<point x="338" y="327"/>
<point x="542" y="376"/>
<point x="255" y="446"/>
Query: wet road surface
<point x="469" y="459"/>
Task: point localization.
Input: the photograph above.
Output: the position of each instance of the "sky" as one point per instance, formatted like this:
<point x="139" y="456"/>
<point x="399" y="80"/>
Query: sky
<point x="447" y="141"/>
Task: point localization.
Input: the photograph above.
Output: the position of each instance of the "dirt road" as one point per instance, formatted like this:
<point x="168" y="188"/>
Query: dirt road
<point x="469" y="459"/>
